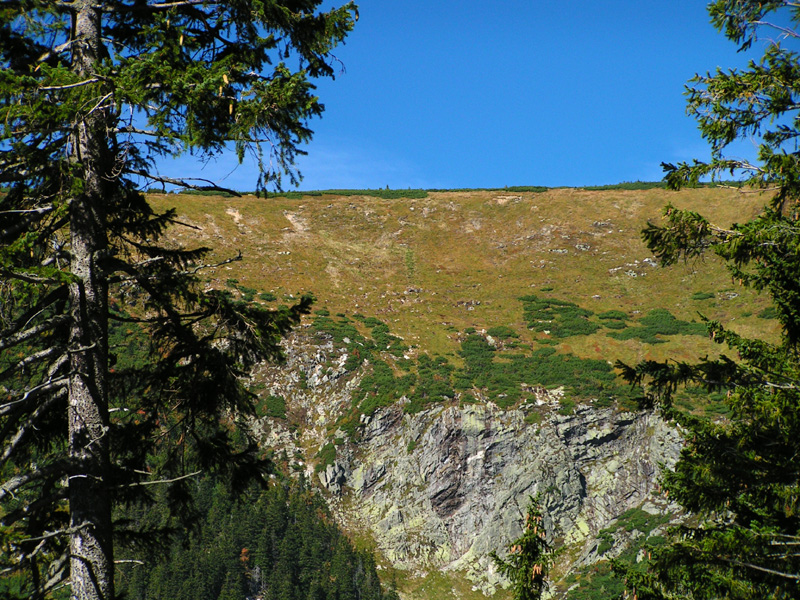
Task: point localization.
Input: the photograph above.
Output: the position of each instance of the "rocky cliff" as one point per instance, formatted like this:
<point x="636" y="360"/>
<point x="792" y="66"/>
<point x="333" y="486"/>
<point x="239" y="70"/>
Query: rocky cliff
<point x="441" y="488"/>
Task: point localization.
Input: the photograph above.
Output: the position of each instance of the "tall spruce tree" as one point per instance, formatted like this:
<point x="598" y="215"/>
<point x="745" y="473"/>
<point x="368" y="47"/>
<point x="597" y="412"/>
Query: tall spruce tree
<point x="92" y="93"/>
<point x="739" y="477"/>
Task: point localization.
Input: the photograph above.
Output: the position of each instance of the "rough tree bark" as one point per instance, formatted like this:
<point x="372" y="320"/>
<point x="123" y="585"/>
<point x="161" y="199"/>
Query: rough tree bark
<point x="91" y="549"/>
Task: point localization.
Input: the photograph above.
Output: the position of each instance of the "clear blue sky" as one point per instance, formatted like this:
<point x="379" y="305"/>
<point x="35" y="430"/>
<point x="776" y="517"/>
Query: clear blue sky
<point x="468" y="93"/>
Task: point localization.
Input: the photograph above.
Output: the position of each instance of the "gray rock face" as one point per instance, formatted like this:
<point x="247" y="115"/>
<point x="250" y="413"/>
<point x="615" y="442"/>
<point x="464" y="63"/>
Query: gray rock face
<point x="461" y="490"/>
<point x="442" y="488"/>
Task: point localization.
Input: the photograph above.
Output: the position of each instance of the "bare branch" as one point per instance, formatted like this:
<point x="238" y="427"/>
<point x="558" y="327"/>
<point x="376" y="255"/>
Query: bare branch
<point x="199" y="268"/>
<point x="53" y="534"/>
<point x="211" y="187"/>
<point x="161" y="481"/>
<point x="58" y="569"/>
<point x="31" y="508"/>
<point x="784" y="30"/>
<point x="30" y="217"/>
<point x="99" y="104"/>
<point x="57" y="50"/>
<point x="32" y="359"/>
<point x="7" y="341"/>
<point x="161" y="6"/>
<point x="192" y="271"/>
<point x="738" y="563"/>
<point x="129" y="560"/>
<point x="51" y="88"/>
<point x="47" y="386"/>
<point x="30" y="422"/>
<point x="136" y="130"/>
<point x="11" y="485"/>
<point x="39" y="211"/>
<point x="27" y="278"/>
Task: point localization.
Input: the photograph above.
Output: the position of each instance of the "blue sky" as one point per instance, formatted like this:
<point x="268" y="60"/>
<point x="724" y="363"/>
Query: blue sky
<point x="467" y="94"/>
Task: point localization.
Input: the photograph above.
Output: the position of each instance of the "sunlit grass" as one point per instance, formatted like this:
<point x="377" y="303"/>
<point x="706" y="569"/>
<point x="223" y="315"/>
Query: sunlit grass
<point x="430" y="266"/>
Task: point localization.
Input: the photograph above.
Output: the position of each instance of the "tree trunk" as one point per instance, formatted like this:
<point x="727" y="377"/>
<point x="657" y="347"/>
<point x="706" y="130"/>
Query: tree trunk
<point x="91" y="550"/>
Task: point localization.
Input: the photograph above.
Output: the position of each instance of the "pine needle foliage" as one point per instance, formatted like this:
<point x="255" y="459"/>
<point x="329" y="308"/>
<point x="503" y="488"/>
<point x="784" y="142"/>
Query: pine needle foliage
<point x="120" y="369"/>
<point x="529" y="558"/>
<point x="738" y="476"/>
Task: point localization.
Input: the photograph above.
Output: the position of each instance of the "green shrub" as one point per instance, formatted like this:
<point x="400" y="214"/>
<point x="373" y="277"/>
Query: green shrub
<point x="503" y="332"/>
<point x="326" y="456"/>
<point x="636" y="519"/>
<point x="385" y="194"/>
<point x="659" y="322"/>
<point x="467" y="398"/>
<point x="613" y="314"/>
<point x="538" y="189"/>
<point x="339" y="330"/>
<point x="768" y="313"/>
<point x="595" y="582"/>
<point x="567" y="406"/>
<point x="533" y="418"/>
<point x="129" y="345"/>
<point x="272" y="406"/>
<point x="606" y="541"/>
<point x="383" y="339"/>
<point x="561" y="318"/>
<point x="629" y="185"/>
<point x="614" y="319"/>
<point x="703" y="295"/>
<point x="381" y="388"/>
<point x="433" y="383"/>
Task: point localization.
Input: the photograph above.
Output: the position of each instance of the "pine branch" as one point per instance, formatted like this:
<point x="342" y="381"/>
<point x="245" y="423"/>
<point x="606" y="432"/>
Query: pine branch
<point x="69" y="86"/>
<point x="8" y="341"/>
<point x="26" y="511"/>
<point x="30" y="360"/>
<point x="158" y="7"/>
<point x="211" y="187"/>
<point x="28" y="278"/>
<point x="160" y="481"/>
<point x="30" y="423"/>
<point x="781" y="574"/>
<point x="34" y="392"/>
<point x="784" y="30"/>
<point x="58" y="467"/>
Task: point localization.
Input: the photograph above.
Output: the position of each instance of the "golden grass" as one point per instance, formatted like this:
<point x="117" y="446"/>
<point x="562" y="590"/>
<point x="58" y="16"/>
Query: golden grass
<point x="454" y="260"/>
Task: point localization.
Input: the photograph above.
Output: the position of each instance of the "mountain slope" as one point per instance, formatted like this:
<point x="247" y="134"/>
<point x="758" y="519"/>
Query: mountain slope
<point x="455" y="260"/>
<point x="460" y="360"/>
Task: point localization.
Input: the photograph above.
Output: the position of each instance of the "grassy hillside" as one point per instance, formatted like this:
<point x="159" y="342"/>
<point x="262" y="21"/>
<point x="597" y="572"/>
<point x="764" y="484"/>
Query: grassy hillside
<point x="463" y="296"/>
<point x="431" y="267"/>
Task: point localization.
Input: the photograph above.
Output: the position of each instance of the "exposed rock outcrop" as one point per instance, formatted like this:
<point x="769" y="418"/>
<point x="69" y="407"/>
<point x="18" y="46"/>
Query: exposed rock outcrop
<point x="442" y="488"/>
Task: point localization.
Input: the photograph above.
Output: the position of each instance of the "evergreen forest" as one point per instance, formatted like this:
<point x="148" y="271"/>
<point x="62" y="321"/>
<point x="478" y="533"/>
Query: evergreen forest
<point x="278" y="542"/>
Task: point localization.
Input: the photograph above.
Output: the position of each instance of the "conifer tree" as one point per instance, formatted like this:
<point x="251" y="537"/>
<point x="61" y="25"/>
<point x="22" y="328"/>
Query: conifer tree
<point x="92" y="94"/>
<point x="738" y="477"/>
<point x="529" y="558"/>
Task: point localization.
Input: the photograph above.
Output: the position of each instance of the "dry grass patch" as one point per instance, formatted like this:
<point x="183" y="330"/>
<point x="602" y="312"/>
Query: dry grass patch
<point x="464" y="259"/>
